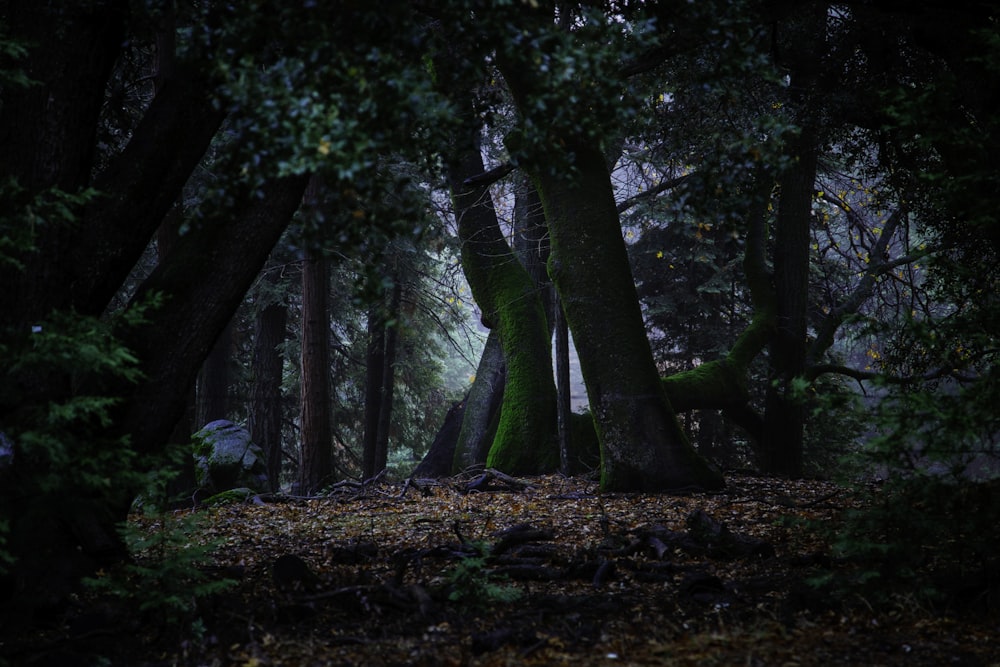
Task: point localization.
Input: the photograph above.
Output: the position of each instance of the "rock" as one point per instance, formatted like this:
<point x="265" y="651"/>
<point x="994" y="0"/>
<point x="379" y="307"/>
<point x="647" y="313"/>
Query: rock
<point x="225" y="459"/>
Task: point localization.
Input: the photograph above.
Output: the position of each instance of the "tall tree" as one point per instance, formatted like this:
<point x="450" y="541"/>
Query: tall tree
<point x="265" y="410"/>
<point x="380" y="377"/>
<point x="642" y="444"/>
<point x="525" y="437"/>
<point x="316" y="460"/>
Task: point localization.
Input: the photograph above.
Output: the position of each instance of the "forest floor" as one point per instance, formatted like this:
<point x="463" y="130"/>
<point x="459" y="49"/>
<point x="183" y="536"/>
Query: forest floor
<point x="540" y="571"/>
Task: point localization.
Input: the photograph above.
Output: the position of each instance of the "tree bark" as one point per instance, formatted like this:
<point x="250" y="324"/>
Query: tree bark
<point x="525" y="438"/>
<point x="374" y="388"/>
<point x="388" y="378"/>
<point x="642" y="446"/>
<point x="785" y="406"/>
<point x="266" y="369"/>
<point x="564" y="412"/>
<point x="316" y="462"/>
<point x="380" y="376"/>
<point x="481" y="410"/>
<point x="213" y="381"/>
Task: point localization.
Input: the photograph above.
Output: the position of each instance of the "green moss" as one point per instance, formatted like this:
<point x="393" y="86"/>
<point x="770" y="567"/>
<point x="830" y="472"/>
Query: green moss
<point x="230" y="497"/>
<point x="525" y="437"/>
<point x="716" y="384"/>
<point x="642" y="446"/>
<point x="525" y="440"/>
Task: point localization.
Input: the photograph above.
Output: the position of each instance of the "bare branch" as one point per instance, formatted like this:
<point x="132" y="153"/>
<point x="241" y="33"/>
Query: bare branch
<point x="489" y="177"/>
<point x="626" y="204"/>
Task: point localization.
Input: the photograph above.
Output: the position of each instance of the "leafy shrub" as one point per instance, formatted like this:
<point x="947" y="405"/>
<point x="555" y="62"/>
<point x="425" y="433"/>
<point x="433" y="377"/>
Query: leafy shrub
<point x="472" y="583"/>
<point x="168" y="567"/>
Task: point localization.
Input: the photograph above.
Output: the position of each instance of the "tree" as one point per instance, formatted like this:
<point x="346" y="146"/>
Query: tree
<point x="316" y="464"/>
<point x="524" y="440"/>
<point x="265" y="409"/>
<point x="383" y="337"/>
<point x="101" y="203"/>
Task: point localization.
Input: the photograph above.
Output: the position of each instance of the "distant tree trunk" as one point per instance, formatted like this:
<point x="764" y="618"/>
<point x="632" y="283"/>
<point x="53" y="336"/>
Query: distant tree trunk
<point x="440" y="457"/>
<point x="525" y="440"/>
<point x="388" y="377"/>
<point x="785" y="407"/>
<point x="266" y="370"/>
<point x="213" y="381"/>
<point x="374" y="388"/>
<point x="563" y="390"/>
<point x="481" y="410"/>
<point x="316" y="461"/>
<point x="380" y="380"/>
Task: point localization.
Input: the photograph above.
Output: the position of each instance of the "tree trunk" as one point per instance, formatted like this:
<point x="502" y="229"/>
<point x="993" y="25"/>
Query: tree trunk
<point x="265" y="391"/>
<point x="642" y="446"/>
<point x="374" y="388"/>
<point x="785" y="407"/>
<point x="213" y="381"/>
<point x="785" y="410"/>
<point x="525" y="440"/>
<point x="316" y="462"/>
<point x="380" y="377"/>
<point x="440" y="457"/>
<point x="564" y="403"/>
<point x="481" y="410"/>
<point x="388" y="378"/>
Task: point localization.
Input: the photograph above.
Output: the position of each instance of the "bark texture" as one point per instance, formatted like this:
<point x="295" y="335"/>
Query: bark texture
<point x="265" y="390"/>
<point x="525" y="441"/>
<point x="642" y="446"/>
<point x="316" y="464"/>
<point x="481" y="408"/>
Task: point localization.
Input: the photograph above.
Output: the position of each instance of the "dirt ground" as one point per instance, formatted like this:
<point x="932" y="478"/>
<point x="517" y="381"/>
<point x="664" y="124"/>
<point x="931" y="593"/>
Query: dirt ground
<point x="488" y="570"/>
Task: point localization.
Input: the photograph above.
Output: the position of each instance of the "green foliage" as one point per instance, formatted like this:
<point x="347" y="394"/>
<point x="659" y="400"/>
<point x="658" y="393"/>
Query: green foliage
<point x="67" y="456"/>
<point x="24" y="218"/>
<point x="166" y="574"/>
<point x="11" y="52"/>
<point x="472" y="584"/>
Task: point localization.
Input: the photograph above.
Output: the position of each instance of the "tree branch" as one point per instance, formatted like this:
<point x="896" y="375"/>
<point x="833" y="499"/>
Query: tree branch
<point x="489" y="177"/>
<point x="626" y="204"/>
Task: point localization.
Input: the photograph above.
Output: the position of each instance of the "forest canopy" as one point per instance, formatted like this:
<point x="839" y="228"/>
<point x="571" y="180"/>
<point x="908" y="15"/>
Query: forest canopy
<point x="769" y="228"/>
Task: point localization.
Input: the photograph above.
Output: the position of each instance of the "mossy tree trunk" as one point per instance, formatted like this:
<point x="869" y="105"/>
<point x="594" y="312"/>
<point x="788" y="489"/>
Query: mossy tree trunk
<point x="642" y="446"/>
<point x="524" y="442"/>
<point x="721" y="384"/>
<point x="482" y="407"/>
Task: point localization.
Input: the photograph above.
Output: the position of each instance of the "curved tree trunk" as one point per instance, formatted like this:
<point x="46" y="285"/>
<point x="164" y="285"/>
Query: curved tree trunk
<point x="642" y="446"/>
<point x="482" y="407"/>
<point x="525" y="440"/>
